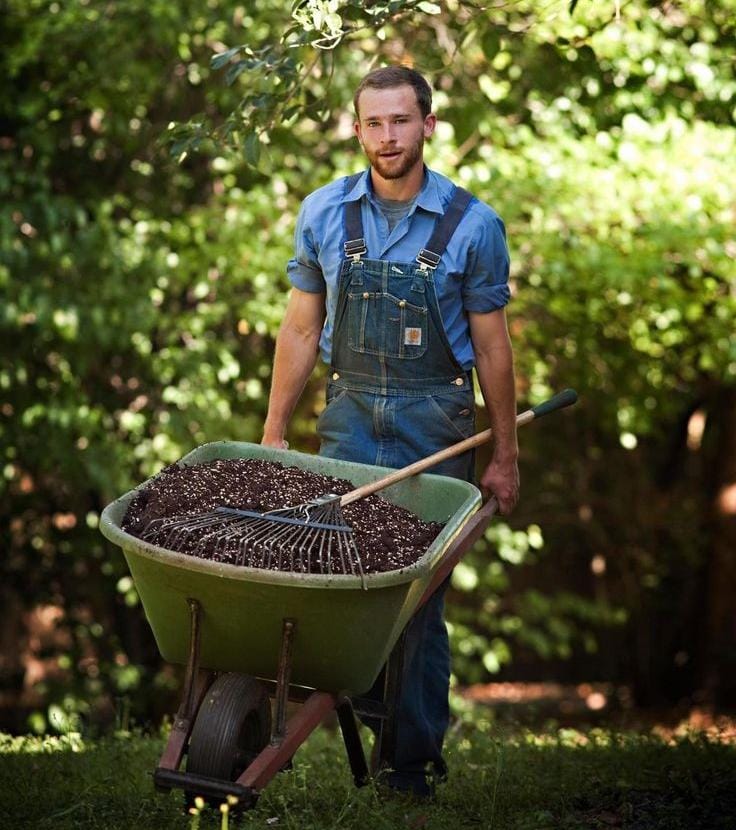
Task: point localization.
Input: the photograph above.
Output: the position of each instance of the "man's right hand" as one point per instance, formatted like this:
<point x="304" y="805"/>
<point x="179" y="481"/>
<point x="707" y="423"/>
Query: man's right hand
<point x="279" y="443"/>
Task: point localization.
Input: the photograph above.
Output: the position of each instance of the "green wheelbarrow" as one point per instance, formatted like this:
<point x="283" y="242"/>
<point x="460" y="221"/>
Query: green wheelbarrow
<point x="247" y="635"/>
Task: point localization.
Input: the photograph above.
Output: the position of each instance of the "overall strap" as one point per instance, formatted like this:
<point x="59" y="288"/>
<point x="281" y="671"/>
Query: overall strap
<point x="354" y="244"/>
<point x="430" y="256"/>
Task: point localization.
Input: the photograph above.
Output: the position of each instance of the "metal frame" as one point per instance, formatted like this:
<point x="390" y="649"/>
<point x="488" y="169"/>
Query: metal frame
<point x="288" y="735"/>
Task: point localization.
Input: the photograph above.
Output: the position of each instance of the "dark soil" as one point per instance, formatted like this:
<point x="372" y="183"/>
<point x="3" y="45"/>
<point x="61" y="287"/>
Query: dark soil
<point x="387" y="537"/>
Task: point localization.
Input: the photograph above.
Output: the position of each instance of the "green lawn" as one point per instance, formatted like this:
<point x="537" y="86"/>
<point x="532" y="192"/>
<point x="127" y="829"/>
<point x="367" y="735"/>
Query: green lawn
<point x="500" y="778"/>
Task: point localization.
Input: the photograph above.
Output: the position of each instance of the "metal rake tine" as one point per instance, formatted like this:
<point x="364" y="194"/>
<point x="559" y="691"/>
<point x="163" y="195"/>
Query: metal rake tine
<point x="272" y="543"/>
<point x="253" y="540"/>
<point x="250" y="542"/>
<point x="157" y="529"/>
<point x="282" y="538"/>
<point x="324" y="543"/>
<point x="246" y="548"/>
<point x="174" y="533"/>
<point x="218" y="531"/>
<point x="354" y="558"/>
<point x="304" y="544"/>
<point x="293" y="548"/>
<point x="321" y="542"/>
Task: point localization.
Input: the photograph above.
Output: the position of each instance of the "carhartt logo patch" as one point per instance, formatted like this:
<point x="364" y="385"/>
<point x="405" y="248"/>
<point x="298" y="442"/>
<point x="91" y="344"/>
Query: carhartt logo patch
<point x="412" y="337"/>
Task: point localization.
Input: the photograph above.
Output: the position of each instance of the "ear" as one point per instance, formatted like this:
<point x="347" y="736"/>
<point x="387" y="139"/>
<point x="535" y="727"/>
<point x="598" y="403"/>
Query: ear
<point x="430" y="122"/>
<point x="356" y="130"/>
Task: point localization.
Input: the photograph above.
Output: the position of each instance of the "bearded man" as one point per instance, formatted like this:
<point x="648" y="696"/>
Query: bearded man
<point x="400" y="281"/>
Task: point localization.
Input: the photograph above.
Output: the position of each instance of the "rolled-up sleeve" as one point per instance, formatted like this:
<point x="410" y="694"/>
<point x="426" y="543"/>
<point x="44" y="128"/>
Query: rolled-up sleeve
<point x="485" y="283"/>
<point x="303" y="270"/>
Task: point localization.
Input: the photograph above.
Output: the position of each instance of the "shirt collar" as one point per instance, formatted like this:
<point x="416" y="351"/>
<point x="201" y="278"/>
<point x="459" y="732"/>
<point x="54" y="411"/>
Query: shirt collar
<point x="428" y="197"/>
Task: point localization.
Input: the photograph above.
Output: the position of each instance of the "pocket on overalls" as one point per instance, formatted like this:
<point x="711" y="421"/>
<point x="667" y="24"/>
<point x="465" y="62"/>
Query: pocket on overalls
<point x="385" y="325"/>
<point x="330" y="419"/>
<point x="457" y="411"/>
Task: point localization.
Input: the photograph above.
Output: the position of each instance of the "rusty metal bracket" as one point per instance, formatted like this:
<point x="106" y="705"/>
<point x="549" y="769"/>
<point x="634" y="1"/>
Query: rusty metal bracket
<point x="196" y="683"/>
<point x="195" y="631"/>
<point x="282" y="680"/>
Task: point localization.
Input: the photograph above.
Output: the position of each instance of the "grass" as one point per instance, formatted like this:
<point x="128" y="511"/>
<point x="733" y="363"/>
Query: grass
<point x="501" y="777"/>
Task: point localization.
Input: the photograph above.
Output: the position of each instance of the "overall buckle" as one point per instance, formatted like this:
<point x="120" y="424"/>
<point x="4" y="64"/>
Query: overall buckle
<point x="428" y="259"/>
<point x="355" y="248"/>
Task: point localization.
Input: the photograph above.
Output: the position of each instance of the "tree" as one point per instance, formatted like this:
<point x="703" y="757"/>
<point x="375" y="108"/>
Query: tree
<point x="141" y="294"/>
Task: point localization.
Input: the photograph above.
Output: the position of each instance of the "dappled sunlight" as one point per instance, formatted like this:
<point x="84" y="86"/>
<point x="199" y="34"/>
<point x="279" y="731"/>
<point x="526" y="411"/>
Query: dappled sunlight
<point x="700" y="723"/>
<point x="41" y="745"/>
<point x="584" y="712"/>
<point x="727" y="500"/>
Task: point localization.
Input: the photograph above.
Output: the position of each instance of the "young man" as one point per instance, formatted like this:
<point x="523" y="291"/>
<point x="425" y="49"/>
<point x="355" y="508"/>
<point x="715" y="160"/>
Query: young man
<point x="400" y="282"/>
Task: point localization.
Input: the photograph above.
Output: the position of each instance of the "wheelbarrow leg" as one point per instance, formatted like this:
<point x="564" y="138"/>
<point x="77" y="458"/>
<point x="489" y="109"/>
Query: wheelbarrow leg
<point x="196" y="683"/>
<point x="353" y="744"/>
<point x="385" y="746"/>
<point x="288" y="633"/>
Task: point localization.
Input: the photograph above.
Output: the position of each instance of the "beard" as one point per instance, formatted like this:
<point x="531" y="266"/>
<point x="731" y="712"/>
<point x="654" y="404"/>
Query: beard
<point x="396" y="168"/>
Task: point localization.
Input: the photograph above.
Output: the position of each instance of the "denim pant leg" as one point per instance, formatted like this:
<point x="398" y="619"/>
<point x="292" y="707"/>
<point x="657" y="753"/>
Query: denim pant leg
<point x="423" y="710"/>
<point x="346" y="428"/>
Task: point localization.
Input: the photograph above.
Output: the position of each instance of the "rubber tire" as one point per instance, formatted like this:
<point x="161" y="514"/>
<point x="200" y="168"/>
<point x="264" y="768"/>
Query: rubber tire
<point x="232" y="726"/>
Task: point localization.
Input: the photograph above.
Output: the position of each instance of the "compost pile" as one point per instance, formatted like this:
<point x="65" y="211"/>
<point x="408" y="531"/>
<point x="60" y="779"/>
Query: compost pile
<point x="387" y="536"/>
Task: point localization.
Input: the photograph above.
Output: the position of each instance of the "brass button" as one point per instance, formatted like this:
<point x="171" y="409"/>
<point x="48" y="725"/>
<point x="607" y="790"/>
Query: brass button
<point x="458" y="381"/>
<point x="402" y="303"/>
<point x="335" y="376"/>
<point x="366" y="295"/>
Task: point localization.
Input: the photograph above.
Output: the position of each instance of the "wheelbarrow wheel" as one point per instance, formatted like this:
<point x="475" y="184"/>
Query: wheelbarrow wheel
<point x="232" y="726"/>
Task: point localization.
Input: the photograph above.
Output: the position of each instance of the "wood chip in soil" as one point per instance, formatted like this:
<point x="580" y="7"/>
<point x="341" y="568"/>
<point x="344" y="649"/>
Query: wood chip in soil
<point x="388" y="537"/>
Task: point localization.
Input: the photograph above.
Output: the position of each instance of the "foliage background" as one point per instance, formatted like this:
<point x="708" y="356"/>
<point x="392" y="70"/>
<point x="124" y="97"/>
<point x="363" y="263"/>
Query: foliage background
<point x="147" y="218"/>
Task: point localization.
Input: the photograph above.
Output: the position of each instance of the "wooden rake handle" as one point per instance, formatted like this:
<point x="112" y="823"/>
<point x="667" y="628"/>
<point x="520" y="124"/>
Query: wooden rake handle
<point x="562" y="399"/>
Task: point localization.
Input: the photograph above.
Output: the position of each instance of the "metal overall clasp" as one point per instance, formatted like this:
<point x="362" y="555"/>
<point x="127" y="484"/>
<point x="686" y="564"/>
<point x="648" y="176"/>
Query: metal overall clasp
<point x="428" y="259"/>
<point x="355" y="248"/>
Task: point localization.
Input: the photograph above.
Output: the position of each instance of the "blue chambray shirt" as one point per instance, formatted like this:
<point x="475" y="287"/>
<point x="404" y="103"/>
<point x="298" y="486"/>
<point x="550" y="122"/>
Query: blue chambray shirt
<point x="472" y="275"/>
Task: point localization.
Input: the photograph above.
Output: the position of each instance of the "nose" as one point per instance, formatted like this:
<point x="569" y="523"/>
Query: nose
<point x="387" y="134"/>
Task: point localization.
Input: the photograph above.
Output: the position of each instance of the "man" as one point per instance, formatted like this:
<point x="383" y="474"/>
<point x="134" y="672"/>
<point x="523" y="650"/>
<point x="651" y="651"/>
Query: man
<point x="400" y="281"/>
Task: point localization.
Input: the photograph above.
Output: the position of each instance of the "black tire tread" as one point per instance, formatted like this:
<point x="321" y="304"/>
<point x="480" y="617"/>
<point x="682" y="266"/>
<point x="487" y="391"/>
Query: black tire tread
<point x="229" y="702"/>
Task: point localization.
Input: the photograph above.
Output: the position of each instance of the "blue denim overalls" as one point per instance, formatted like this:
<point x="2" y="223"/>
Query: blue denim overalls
<point x="396" y="394"/>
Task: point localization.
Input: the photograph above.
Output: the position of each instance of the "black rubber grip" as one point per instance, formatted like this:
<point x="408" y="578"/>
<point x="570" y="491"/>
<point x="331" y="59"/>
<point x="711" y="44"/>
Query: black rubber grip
<point x="562" y="399"/>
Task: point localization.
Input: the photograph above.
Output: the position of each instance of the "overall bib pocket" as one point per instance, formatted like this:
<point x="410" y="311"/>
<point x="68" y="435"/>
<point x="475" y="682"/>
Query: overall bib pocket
<point x="385" y="325"/>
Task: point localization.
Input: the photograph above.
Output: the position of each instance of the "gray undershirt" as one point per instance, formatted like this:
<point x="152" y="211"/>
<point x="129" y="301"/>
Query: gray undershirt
<point x="394" y="210"/>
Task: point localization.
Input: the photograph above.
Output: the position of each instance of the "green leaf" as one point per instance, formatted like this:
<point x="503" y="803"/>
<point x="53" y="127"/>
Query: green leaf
<point x="252" y="149"/>
<point x="221" y="58"/>
<point x="235" y="71"/>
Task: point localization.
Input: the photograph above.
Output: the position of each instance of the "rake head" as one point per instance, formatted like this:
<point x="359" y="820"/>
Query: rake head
<point x="309" y="538"/>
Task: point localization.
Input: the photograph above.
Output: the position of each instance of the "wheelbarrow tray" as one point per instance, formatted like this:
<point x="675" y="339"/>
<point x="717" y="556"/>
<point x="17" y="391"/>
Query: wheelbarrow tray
<point x="345" y="628"/>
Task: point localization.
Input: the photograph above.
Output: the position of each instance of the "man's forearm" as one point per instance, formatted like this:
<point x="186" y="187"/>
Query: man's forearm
<point x="495" y="371"/>
<point x="494" y="365"/>
<point x="295" y="358"/>
<point x="296" y="353"/>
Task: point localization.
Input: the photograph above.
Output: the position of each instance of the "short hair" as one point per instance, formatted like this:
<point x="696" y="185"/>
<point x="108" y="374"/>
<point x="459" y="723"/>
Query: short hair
<point x="388" y="77"/>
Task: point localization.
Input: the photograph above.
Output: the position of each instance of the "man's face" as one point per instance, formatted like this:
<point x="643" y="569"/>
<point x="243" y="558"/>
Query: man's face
<point x="391" y="130"/>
